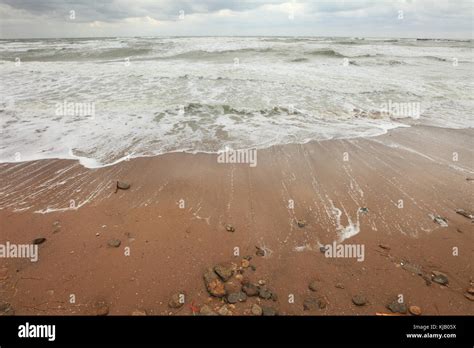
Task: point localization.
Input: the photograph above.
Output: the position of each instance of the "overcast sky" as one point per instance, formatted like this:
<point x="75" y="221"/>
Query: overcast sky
<point x="361" y="18"/>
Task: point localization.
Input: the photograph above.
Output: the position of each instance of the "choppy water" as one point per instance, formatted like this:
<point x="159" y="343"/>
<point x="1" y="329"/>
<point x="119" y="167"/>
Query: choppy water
<point x="154" y="95"/>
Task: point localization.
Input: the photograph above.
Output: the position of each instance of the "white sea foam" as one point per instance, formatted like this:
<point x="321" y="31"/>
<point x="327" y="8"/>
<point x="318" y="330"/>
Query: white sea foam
<point x="158" y="95"/>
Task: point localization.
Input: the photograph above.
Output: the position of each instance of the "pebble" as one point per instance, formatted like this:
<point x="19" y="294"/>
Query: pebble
<point x="224" y="311"/>
<point x="39" y="240"/>
<point x="122" y="185"/>
<point x="415" y="310"/>
<point x="101" y="309"/>
<point x="269" y="311"/>
<point x="359" y="300"/>
<point x="301" y="223"/>
<point x="250" y="289"/>
<point x="206" y="310"/>
<point x="114" y="243"/>
<point x="236" y="297"/>
<point x="439" y="277"/>
<point x="384" y="246"/>
<point x="313" y="285"/>
<point x="229" y="228"/>
<point x="264" y="293"/>
<point x="139" y="313"/>
<point x="245" y="263"/>
<point x="339" y="286"/>
<point x="311" y="304"/>
<point x="214" y="285"/>
<point x="260" y="251"/>
<point x="176" y="300"/>
<point x="256" y="310"/>
<point x="397" y="307"/>
<point x="224" y="270"/>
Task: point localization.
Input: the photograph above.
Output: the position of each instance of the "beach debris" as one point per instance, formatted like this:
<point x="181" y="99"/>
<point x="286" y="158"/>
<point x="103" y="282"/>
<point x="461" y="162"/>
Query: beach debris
<point x="384" y="246"/>
<point x="443" y="222"/>
<point x="229" y="228"/>
<point x="224" y="270"/>
<point x="269" y="311"/>
<point x="466" y="214"/>
<point x="415" y="310"/>
<point x="260" y="251"/>
<point x="236" y="297"/>
<point x="206" y="310"/>
<point x="176" y="300"/>
<point x="40" y="240"/>
<point x="214" y="285"/>
<point x="114" y="243"/>
<point x="301" y="223"/>
<point x="397" y="307"/>
<point x="364" y="210"/>
<point x="439" y="277"/>
<point x="256" y="310"/>
<point x="313" y="285"/>
<point x="6" y="309"/>
<point x="122" y="185"/>
<point x="312" y="303"/>
<point x="264" y="293"/>
<point x="139" y="313"/>
<point x="359" y="300"/>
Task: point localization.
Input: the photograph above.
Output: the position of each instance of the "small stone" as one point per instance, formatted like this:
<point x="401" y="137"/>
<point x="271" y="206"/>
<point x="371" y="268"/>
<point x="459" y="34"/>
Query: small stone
<point x="260" y="251"/>
<point x="224" y="311"/>
<point x="311" y="304"/>
<point x="339" y="286"/>
<point x="261" y="282"/>
<point x="206" y="310"/>
<point x="384" y="246"/>
<point x="39" y="241"/>
<point x="56" y="226"/>
<point x="122" y="185"/>
<point x="239" y="277"/>
<point x="250" y="289"/>
<point x="256" y="310"/>
<point x="469" y="296"/>
<point x="101" y="309"/>
<point x="359" y="300"/>
<point x="269" y="311"/>
<point x="6" y="309"/>
<point x="224" y="270"/>
<point x="415" y="310"/>
<point x="214" y="285"/>
<point x="397" y="307"/>
<point x="236" y="297"/>
<point x="114" y="243"/>
<point x="176" y="300"/>
<point x="229" y="228"/>
<point x="245" y="263"/>
<point x="264" y="293"/>
<point x="301" y="223"/>
<point x="313" y="285"/>
<point x="232" y="286"/>
<point x="139" y="313"/>
<point x="470" y="291"/>
<point x="439" y="277"/>
<point x="364" y="210"/>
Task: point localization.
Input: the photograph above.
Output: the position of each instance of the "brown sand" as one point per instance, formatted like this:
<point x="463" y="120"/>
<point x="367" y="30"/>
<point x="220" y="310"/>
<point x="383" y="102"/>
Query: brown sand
<point x="170" y="248"/>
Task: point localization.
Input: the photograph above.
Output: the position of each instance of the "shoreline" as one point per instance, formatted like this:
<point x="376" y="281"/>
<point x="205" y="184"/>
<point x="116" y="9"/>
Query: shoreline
<point x="173" y="219"/>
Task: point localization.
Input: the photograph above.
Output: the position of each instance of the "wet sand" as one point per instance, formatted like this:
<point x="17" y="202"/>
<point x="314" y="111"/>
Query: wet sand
<point x="171" y="247"/>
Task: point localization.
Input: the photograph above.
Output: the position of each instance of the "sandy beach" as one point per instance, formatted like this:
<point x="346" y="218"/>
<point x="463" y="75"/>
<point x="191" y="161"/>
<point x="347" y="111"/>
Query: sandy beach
<point x="184" y="213"/>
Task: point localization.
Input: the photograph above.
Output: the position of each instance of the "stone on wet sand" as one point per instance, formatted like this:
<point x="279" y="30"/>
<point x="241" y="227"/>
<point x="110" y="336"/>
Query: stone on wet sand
<point x="439" y="277"/>
<point x="260" y="251"/>
<point x="359" y="300"/>
<point x="312" y="303"/>
<point x="40" y="240"/>
<point x="224" y="270"/>
<point x="214" y="285"/>
<point x="313" y="285"/>
<point x="229" y="228"/>
<point x="264" y="293"/>
<point x="236" y="297"/>
<point x="250" y="289"/>
<point x="415" y="310"/>
<point x="245" y="263"/>
<point x="397" y="307"/>
<point x="101" y="309"/>
<point x="269" y="311"/>
<point x="114" y="243"/>
<point x="256" y="310"/>
<point x="224" y="311"/>
<point x="301" y="223"/>
<point x="176" y="300"/>
<point x="122" y="185"/>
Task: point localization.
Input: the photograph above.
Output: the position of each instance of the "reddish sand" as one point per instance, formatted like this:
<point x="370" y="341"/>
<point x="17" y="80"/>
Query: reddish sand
<point x="171" y="247"/>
